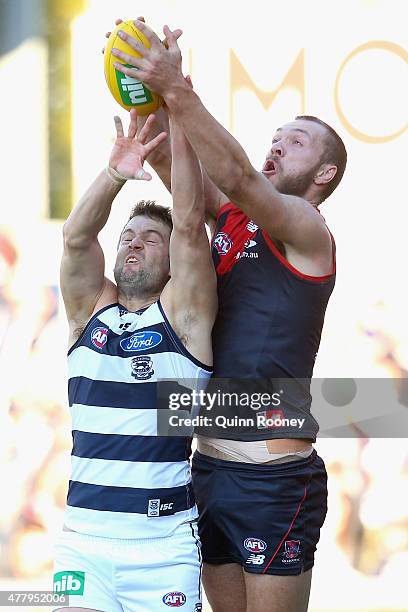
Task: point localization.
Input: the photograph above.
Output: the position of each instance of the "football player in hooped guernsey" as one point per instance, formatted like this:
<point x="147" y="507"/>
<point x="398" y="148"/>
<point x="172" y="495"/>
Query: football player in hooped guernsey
<point x="261" y="491"/>
<point x="130" y="540"/>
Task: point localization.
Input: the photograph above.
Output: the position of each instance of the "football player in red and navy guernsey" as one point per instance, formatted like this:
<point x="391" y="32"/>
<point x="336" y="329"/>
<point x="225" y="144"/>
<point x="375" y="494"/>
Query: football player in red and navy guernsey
<point x="261" y="492"/>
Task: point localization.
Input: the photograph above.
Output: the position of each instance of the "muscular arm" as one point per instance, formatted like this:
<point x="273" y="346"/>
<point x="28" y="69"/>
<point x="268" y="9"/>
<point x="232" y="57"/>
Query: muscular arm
<point x="287" y="218"/>
<point x="83" y="263"/>
<point x="83" y="283"/>
<point x="190" y="297"/>
<point x="160" y="161"/>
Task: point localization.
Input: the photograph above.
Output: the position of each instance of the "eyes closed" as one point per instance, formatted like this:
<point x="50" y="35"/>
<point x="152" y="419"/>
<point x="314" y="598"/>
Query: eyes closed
<point x="147" y="237"/>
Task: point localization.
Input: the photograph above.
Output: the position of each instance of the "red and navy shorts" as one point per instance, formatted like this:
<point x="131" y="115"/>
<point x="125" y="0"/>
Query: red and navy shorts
<point x="267" y="518"/>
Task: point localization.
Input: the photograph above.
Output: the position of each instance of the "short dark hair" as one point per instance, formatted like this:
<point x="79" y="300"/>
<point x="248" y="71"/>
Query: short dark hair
<point x="150" y="208"/>
<point x="334" y="153"/>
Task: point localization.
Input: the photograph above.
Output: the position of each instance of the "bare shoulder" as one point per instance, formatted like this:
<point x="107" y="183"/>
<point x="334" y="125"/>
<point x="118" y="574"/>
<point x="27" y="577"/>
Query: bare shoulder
<point x="78" y="323"/>
<point x="317" y="256"/>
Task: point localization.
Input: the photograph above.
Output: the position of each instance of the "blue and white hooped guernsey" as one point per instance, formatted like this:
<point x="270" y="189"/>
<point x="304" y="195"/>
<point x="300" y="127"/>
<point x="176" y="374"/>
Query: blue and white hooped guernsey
<point x="126" y="481"/>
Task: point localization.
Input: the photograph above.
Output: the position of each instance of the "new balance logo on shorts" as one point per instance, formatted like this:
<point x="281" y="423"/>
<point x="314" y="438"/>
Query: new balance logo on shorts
<point x="255" y="559"/>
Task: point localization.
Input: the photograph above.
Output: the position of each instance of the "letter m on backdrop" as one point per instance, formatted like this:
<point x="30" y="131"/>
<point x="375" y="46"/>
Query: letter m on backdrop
<point x="240" y="79"/>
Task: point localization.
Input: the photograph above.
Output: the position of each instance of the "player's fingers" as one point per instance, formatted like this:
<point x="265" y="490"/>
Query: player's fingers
<point x="133" y="123"/>
<point x="176" y="34"/>
<point x="132" y="72"/>
<point x="189" y="81"/>
<point x="142" y="175"/>
<point x="155" y="142"/>
<point x="144" y="132"/>
<point x="172" y="37"/>
<point x="132" y="42"/>
<point x="130" y="60"/>
<point x="141" y="19"/>
<point x="118" y="126"/>
<point x="118" y="21"/>
<point x="150" y="35"/>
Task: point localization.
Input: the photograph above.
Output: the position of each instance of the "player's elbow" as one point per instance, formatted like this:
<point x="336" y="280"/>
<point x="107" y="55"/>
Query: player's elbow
<point x="73" y="240"/>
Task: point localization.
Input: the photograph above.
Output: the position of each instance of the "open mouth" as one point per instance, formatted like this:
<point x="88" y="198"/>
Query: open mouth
<point x="131" y="260"/>
<point x="269" y="167"/>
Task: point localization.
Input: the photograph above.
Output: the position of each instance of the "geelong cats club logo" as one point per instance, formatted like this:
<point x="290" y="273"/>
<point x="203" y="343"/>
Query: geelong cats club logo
<point x="142" y="367"/>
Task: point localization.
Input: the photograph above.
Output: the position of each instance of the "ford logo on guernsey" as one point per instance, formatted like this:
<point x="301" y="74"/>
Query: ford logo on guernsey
<point x="255" y="545"/>
<point x="175" y="599"/>
<point x="99" y="337"/>
<point x="141" y="341"/>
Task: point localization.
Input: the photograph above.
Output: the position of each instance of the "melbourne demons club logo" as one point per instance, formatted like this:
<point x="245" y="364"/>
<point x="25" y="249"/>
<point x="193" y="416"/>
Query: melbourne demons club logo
<point x="292" y="549"/>
<point x="222" y="243"/>
<point x="99" y="337"/>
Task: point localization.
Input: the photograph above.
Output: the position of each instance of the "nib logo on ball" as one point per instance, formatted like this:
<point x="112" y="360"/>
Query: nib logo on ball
<point x="128" y="91"/>
<point x="132" y="92"/>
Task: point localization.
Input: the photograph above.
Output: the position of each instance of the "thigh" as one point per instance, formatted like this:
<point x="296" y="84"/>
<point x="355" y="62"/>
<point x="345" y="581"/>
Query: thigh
<point x="265" y="518"/>
<point x="212" y="494"/>
<point x="278" y="593"/>
<point x="83" y="571"/>
<point x="161" y="573"/>
<point x="225" y="587"/>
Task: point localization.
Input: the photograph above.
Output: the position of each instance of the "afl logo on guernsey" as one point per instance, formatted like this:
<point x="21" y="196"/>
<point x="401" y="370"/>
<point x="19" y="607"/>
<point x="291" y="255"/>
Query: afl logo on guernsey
<point x="99" y="337"/>
<point x="222" y="243"/>
<point x="255" y="545"/>
<point x="175" y="599"/>
<point x="141" y="341"/>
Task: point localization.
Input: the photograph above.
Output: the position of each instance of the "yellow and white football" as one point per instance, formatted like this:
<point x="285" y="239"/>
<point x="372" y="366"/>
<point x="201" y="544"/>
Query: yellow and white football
<point x="128" y="91"/>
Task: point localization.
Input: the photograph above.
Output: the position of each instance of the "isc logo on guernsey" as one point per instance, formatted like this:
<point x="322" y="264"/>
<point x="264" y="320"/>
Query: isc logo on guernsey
<point x="141" y="341"/>
<point x="175" y="599"/>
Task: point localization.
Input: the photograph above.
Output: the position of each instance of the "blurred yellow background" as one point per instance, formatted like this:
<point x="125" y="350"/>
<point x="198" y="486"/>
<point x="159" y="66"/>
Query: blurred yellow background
<point x="255" y="66"/>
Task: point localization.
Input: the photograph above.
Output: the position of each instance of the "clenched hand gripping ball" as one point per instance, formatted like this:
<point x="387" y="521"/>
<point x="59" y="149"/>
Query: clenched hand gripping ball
<point x="128" y="91"/>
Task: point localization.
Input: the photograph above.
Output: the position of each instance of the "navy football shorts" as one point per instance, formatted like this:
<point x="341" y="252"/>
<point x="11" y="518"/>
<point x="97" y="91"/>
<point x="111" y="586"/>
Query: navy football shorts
<point x="267" y="518"/>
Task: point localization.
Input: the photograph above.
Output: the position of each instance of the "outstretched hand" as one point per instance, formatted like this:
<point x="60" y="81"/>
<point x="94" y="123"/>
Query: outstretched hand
<point x="129" y="152"/>
<point x="159" y="66"/>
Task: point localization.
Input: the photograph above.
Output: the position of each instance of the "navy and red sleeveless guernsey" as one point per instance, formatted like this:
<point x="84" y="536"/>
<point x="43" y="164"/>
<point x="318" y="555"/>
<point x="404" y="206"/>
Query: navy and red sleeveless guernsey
<point x="269" y="321"/>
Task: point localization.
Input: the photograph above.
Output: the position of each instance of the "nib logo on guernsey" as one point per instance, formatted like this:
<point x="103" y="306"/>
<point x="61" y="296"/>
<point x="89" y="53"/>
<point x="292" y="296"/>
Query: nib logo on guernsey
<point x="69" y="583"/>
<point x="132" y="91"/>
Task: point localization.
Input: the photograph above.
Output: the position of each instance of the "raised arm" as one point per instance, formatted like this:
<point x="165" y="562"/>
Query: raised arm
<point x="83" y="282"/>
<point x="287" y="218"/>
<point x="190" y="297"/>
<point x="160" y="158"/>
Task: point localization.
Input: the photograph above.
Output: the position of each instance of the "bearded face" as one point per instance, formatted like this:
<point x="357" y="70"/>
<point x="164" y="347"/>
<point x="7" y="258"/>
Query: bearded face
<point x="142" y="262"/>
<point x="295" y="184"/>
<point x="140" y="282"/>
